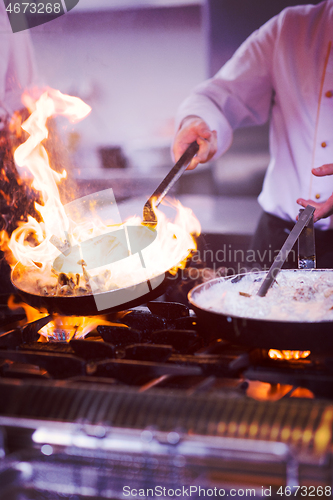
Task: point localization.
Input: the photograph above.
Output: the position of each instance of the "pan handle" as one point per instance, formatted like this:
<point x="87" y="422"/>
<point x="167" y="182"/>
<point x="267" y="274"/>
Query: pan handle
<point x="175" y="173"/>
<point x="303" y="221"/>
<point x="307" y="246"/>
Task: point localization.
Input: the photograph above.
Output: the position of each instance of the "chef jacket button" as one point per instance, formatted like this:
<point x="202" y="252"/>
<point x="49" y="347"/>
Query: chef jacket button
<point x="323" y="144"/>
<point x="329" y="93"/>
<point x="317" y="196"/>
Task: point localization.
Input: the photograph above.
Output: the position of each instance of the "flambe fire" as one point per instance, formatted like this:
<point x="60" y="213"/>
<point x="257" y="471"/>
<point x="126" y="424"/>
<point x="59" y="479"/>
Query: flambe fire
<point x="33" y="156"/>
<point x="32" y="243"/>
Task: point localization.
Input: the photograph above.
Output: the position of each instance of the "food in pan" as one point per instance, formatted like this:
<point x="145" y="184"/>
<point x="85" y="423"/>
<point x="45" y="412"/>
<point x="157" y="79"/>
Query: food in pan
<point x="300" y="296"/>
<point x="166" y="253"/>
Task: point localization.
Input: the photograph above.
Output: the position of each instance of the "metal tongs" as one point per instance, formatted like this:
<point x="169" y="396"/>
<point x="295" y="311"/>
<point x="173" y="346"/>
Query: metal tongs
<point x="149" y="217"/>
<point x="303" y="221"/>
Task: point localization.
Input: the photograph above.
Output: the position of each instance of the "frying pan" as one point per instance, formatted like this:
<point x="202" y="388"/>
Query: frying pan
<point x="96" y="252"/>
<point x="266" y="334"/>
<point x="91" y="304"/>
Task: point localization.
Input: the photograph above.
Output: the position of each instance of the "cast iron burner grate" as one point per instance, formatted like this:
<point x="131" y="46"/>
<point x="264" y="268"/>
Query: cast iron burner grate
<point x="155" y="346"/>
<point x="149" y="345"/>
<point x="153" y="399"/>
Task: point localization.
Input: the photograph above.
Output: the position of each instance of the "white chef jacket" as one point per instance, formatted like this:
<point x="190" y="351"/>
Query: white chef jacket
<point x="17" y="67"/>
<point x="282" y="72"/>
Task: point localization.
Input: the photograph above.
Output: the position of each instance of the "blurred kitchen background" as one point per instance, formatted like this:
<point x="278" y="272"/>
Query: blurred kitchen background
<point x="133" y="62"/>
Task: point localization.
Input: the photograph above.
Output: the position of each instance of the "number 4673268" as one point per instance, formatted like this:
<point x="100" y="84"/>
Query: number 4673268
<point x="33" y="8"/>
<point x="305" y="491"/>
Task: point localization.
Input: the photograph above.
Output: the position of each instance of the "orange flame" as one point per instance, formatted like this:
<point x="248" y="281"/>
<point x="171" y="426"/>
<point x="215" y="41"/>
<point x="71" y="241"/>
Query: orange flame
<point x="288" y="355"/>
<point x="263" y="391"/>
<point x="32" y="155"/>
<point x="30" y="243"/>
<point x="63" y="328"/>
<point x="66" y="328"/>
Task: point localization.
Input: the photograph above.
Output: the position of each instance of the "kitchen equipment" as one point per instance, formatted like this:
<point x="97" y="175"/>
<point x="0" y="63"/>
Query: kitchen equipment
<point x="266" y="333"/>
<point x="280" y="259"/>
<point x="103" y="250"/>
<point x="175" y="173"/>
<point x="100" y="302"/>
<point x="307" y="246"/>
<point x="316" y="337"/>
<point x="154" y="405"/>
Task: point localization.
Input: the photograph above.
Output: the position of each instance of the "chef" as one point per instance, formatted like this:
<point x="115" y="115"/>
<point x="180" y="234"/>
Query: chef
<point x="17" y="73"/>
<point x="283" y="73"/>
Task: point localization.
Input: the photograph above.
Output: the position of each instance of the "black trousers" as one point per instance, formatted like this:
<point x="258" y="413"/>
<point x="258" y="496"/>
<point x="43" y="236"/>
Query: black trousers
<point x="270" y="235"/>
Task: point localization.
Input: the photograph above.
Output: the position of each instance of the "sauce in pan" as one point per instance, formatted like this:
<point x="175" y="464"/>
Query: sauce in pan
<point x="300" y="296"/>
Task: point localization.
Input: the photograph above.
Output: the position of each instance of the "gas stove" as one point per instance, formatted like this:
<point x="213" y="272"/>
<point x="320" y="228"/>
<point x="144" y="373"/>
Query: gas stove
<point x="153" y="405"/>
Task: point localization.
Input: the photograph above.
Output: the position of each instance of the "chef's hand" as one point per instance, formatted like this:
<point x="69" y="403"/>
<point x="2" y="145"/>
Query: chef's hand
<point x="324" y="209"/>
<point x="195" y="129"/>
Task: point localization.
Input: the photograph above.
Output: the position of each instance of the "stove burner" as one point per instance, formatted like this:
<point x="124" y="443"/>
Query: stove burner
<point x="152" y="389"/>
<point x="158" y="345"/>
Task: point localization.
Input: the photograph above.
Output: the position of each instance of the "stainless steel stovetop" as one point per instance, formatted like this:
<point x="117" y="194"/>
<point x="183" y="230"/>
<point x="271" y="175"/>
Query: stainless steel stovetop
<point x="158" y="404"/>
